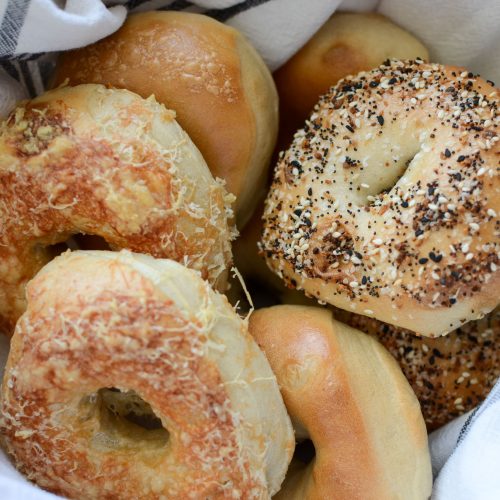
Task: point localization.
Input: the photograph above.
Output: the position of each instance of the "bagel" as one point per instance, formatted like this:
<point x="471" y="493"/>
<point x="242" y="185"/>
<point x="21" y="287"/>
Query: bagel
<point x="348" y="395"/>
<point x="450" y="375"/>
<point x="264" y="287"/>
<point x="216" y="82"/>
<point x="386" y="203"/>
<point x="349" y="42"/>
<point x="129" y="377"/>
<point x="108" y="163"/>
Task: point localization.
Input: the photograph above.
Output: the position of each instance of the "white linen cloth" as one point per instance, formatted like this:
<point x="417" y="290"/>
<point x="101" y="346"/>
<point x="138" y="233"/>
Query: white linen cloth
<point x="469" y="447"/>
<point x="466" y="453"/>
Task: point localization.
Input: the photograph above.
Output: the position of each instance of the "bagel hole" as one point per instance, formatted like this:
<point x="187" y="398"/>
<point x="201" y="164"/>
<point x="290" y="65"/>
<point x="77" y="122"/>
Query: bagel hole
<point x="125" y="420"/>
<point x="385" y="183"/>
<point x="90" y="242"/>
<point x="304" y="452"/>
<point x="77" y="241"/>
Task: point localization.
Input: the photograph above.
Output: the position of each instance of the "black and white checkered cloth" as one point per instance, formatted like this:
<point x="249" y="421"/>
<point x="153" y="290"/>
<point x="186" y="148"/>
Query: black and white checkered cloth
<point x="31" y="31"/>
<point x="466" y="453"/>
<point x="463" y="32"/>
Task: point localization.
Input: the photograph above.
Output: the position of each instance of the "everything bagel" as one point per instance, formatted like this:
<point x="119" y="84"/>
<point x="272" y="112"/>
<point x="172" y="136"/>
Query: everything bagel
<point x="129" y="377"/>
<point x="450" y="375"/>
<point x="386" y="203"/>
<point x="103" y="162"/>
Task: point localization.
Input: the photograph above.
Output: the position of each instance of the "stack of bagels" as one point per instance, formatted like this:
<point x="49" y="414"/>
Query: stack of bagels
<point x="357" y="192"/>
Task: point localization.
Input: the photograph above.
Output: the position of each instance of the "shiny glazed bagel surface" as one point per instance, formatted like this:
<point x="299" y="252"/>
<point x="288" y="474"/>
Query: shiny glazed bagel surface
<point x="219" y="86"/>
<point x="349" y="42"/>
<point x="450" y="375"/>
<point x="345" y="392"/>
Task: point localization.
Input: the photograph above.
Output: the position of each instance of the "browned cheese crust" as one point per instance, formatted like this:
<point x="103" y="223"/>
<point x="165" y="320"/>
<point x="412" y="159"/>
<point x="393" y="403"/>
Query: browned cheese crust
<point x="107" y="320"/>
<point x="107" y="163"/>
<point x="216" y="82"/>
<point x="387" y="202"/>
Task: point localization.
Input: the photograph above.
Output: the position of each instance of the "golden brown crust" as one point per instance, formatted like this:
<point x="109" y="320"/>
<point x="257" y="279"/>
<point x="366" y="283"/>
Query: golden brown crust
<point x="345" y="45"/>
<point x="435" y="368"/>
<point x="109" y="163"/>
<point x="386" y="203"/>
<point x="450" y="375"/>
<point x="117" y="320"/>
<point x="346" y="393"/>
<point x="209" y="74"/>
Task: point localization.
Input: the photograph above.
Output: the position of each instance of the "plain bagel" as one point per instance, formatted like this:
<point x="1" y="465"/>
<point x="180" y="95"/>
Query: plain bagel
<point x="346" y="393"/>
<point x="220" y="88"/>
<point x="387" y="202"/>
<point x="349" y="42"/>
<point x="450" y="375"/>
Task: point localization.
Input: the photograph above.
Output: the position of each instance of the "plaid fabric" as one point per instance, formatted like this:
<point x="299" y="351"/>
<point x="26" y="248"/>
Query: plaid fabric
<point x="34" y="68"/>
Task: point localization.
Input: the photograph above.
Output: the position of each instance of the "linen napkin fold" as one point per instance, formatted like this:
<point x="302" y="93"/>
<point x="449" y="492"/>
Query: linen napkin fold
<point x="463" y="32"/>
<point x="472" y="469"/>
